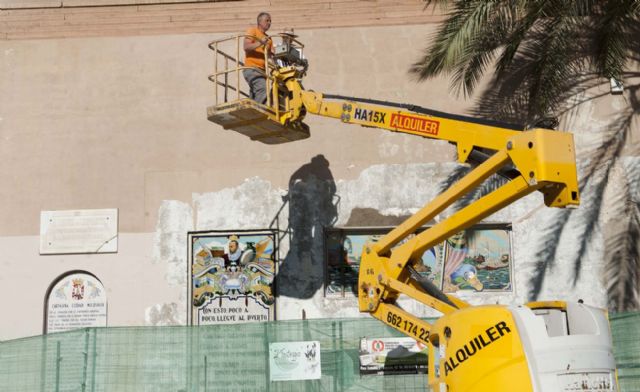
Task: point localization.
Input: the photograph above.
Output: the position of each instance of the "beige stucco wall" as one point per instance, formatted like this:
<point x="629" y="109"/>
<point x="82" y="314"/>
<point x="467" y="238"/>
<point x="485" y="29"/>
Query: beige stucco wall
<point x="132" y="282"/>
<point x="120" y="122"/>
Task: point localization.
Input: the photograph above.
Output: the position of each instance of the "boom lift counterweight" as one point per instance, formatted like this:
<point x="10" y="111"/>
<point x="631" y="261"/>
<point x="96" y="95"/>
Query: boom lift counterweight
<point x="542" y="346"/>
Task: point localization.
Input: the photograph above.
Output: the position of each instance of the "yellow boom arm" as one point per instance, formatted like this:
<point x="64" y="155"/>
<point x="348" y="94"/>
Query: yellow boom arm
<point x="542" y="160"/>
<point x="538" y="347"/>
<point x="545" y="162"/>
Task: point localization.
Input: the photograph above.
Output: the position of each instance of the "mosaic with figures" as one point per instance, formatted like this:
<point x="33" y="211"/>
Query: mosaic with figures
<point x="232" y="277"/>
<point x="477" y="259"/>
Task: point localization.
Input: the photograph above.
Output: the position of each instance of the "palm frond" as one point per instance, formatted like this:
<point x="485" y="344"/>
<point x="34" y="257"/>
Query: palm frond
<point x="489" y="185"/>
<point x="553" y="62"/>
<point x="622" y="258"/>
<point x="622" y="239"/>
<point x="549" y="55"/>
<point x="632" y="168"/>
<point x="467" y="40"/>
<point x="613" y="36"/>
<point x="441" y="3"/>
<point x="587" y="215"/>
<point x="467" y="76"/>
<point x="594" y="176"/>
<point x="547" y="248"/>
<point x="458" y="172"/>
<point x="514" y="41"/>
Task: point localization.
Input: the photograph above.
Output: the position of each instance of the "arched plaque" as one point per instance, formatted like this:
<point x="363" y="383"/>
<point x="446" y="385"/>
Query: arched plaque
<point x="76" y="300"/>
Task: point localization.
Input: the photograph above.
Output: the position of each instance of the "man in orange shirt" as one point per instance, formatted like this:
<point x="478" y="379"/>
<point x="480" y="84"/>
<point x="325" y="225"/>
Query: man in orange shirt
<point x="254" y="49"/>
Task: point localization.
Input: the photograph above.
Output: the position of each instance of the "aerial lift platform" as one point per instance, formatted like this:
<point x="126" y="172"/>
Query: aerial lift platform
<point x="549" y="346"/>
<point x="242" y="114"/>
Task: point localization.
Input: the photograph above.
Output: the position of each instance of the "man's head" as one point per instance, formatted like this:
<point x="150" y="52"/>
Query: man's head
<point x="264" y="21"/>
<point x="233" y="246"/>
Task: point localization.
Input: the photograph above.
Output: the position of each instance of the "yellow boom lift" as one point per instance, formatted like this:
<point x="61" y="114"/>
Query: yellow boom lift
<point x="541" y="346"/>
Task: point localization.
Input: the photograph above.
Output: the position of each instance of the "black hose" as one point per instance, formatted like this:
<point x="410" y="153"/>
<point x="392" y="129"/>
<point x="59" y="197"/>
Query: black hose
<point x="430" y="288"/>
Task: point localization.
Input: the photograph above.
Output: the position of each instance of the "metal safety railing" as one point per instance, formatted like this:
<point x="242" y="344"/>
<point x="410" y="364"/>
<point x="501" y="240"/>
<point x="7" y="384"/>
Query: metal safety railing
<point x="227" y="65"/>
<point x="232" y="65"/>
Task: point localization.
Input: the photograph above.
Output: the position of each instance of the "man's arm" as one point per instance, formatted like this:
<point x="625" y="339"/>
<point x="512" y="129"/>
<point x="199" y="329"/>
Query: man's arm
<point x="251" y="44"/>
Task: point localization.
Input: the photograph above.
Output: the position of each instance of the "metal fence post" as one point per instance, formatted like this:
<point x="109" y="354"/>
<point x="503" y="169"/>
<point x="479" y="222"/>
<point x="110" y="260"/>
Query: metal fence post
<point x="58" y="360"/>
<point x="205" y="373"/>
<point x="226" y="79"/>
<point x="85" y="354"/>
<point x="95" y="358"/>
<point x="43" y="363"/>
<point x="266" y="341"/>
<point x="215" y="69"/>
<point x="238" y="66"/>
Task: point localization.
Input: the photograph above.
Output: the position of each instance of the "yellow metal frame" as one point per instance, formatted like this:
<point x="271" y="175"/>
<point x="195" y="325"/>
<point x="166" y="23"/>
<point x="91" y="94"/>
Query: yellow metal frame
<point x="543" y="160"/>
<point x="478" y="349"/>
<point x="233" y="65"/>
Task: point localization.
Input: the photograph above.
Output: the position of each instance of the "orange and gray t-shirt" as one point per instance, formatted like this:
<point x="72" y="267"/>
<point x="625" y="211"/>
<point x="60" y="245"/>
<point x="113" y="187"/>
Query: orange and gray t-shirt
<point x="255" y="58"/>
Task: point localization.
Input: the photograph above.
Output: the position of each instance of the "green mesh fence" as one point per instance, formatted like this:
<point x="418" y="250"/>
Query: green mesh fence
<point x="625" y="328"/>
<point x="210" y="358"/>
<point x="225" y="358"/>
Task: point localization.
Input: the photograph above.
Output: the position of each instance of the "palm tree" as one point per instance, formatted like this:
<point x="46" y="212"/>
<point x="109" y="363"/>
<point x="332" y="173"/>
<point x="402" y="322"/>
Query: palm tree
<point x="547" y="57"/>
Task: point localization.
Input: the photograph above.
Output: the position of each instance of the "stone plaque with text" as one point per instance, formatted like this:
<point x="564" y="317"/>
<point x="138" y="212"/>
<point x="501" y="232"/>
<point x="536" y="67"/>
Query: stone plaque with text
<point x="76" y="301"/>
<point x="79" y="231"/>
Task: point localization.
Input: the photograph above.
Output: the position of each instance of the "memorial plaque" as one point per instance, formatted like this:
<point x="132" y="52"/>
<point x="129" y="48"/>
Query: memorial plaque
<point x="76" y="301"/>
<point x="79" y="231"/>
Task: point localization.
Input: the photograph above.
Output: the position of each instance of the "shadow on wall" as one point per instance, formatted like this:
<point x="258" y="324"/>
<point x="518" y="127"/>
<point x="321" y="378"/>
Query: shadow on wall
<point x="313" y="205"/>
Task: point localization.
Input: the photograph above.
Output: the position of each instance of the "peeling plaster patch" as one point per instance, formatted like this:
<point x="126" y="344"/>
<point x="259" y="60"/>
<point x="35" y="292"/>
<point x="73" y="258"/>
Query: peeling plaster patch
<point x="291" y="308"/>
<point x="519" y="210"/>
<point x="591" y="121"/>
<point x="589" y="128"/>
<point x="416" y="308"/>
<point x="173" y="313"/>
<point x="164" y="314"/>
<point x="175" y="220"/>
<point x="616" y="181"/>
<point x="252" y="205"/>
<point x="558" y="279"/>
<point x="399" y="212"/>
<point x="302" y="212"/>
<point x="395" y="189"/>
<point x="398" y="190"/>
<point x="370" y="217"/>
<point x="348" y="308"/>
<point x="529" y="215"/>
